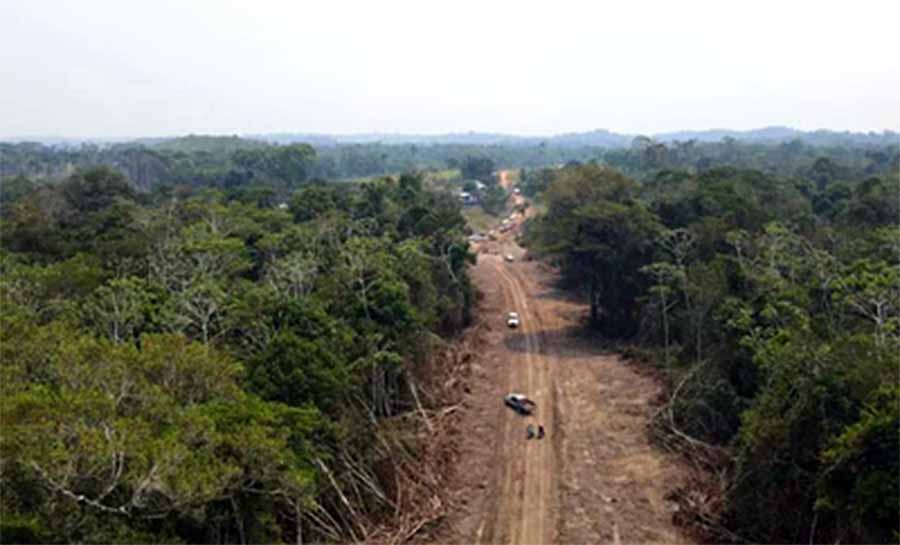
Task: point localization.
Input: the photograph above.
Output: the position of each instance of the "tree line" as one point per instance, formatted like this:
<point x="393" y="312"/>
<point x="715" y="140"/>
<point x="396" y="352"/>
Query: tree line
<point x="772" y="303"/>
<point x="232" y="162"/>
<point x="200" y="365"/>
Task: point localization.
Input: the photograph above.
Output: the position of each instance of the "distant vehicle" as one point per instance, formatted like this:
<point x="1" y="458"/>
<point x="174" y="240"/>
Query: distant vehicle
<point x="516" y="191"/>
<point x="512" y="320"/>
<point x="467" y="198"/>
<point x="520" y="404"/>
<point x="509" y="258"/>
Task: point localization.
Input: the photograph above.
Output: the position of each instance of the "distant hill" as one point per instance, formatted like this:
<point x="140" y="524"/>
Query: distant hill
<point x="715" y="135"/>
<point x="469" y="138"/>
<point x="193" y="143"/>
<point x="785" y="134"/>
<point x="601" y="138"/>
<point x="596" y="138"/>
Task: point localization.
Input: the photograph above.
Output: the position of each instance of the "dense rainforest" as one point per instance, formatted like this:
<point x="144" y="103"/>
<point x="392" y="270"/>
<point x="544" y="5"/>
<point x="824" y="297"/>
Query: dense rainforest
<point x="202" y="340"/>
<point x="229" y="162"/>
<point x="235" y="162"/>
<point x="767" y="290"/>
<point x="193" y="366"/>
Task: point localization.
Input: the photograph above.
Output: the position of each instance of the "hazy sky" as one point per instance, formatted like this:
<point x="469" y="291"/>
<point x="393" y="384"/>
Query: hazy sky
<point x="129" y="68"/>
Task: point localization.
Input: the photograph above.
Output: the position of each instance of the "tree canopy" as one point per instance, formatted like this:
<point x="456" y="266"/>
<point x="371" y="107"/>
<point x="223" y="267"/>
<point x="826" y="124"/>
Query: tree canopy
<point x="773" y="304"/>
<point x="198" y="366"/>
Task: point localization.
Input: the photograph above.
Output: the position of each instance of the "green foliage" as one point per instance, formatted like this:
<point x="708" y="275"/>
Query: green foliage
<point x="201" y="362"/>
<point x="305" y="362"/>
<point x="102" y="438"/>
<point x="289" y="165"/>
<point x="477" y="168"/>
<point x="96" y="189"/>
<point x="12" y="189"/>
<point x="90" y="211"/>
<point x="534" y="182"/>
<point x="602" y="237"/>
<point x="858" y="485"/>
<point x="185" y="368"/>
<point x="234" y="163"/>
<point x="195" y="143"/>
<point x="493" y="200"/>
<point x="775" y="304"/>
<point x="120" y="308"/>
<point x="312" y="202"/>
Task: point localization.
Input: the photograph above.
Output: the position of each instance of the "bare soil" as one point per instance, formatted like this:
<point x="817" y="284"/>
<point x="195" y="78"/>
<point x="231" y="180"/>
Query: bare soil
<point x="595" y="477"/>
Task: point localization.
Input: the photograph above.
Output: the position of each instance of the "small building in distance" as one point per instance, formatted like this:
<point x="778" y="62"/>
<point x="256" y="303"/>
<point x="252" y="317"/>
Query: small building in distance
<point x="467" y="198"/>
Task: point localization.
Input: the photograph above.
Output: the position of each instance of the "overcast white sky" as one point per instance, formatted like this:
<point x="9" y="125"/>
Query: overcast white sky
<point x="115" y="68"/>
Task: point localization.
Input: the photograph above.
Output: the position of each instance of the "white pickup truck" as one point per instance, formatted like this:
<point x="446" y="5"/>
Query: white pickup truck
<point x="512" y="320"/>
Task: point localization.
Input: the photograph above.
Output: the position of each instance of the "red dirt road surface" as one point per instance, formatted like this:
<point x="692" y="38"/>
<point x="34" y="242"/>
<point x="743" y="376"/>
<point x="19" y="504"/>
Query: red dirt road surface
<point x="595" y="477"/>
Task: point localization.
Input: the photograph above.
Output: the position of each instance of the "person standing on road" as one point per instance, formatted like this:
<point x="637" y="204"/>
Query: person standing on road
<point x="530" y="431"/>
<point x="540" y="431"/>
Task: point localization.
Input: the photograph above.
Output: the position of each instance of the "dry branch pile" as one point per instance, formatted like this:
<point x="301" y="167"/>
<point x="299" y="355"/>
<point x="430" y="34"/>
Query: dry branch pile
<point x="420" y="447"/>
<point x="702" y="497"/>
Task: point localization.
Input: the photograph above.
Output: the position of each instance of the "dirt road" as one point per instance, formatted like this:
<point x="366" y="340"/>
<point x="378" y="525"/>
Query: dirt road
<point x="526" y="486"/>
<point x="594" y="477"/>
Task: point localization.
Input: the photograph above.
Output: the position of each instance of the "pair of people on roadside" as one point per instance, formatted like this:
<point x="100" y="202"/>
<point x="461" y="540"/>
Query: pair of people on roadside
<point x="531" y="434"/>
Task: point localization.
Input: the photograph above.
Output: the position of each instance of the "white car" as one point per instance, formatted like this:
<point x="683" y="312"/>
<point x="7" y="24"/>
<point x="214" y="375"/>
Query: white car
<point x="509" y="257"/>
<point x="512" y="320"/>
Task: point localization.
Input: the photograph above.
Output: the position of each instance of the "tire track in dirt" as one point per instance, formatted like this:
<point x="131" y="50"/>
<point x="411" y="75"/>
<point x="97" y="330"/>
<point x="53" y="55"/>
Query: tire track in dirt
<point x="543" y="497"/>
<point x="612" y="482"/>
<point x="509" y="505"/>
<point x="525" y="510"/>
<point x="532" y="524"/>
<point x="595" y="477"/>
<point x="504" y="510"/>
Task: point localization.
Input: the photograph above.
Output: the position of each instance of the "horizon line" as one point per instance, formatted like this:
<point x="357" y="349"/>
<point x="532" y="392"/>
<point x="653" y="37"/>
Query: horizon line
<point x="251" y="135"/>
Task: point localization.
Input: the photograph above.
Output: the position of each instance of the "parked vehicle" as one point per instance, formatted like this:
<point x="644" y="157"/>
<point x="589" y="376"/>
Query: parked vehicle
<point x="512" y="320"/>
<point x="520" y="404"/>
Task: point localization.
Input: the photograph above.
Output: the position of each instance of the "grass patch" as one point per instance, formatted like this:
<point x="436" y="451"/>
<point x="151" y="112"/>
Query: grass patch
<point x="446" y="175"/>
<point x="479" y="220"/>
<point x="443" y="180"/>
